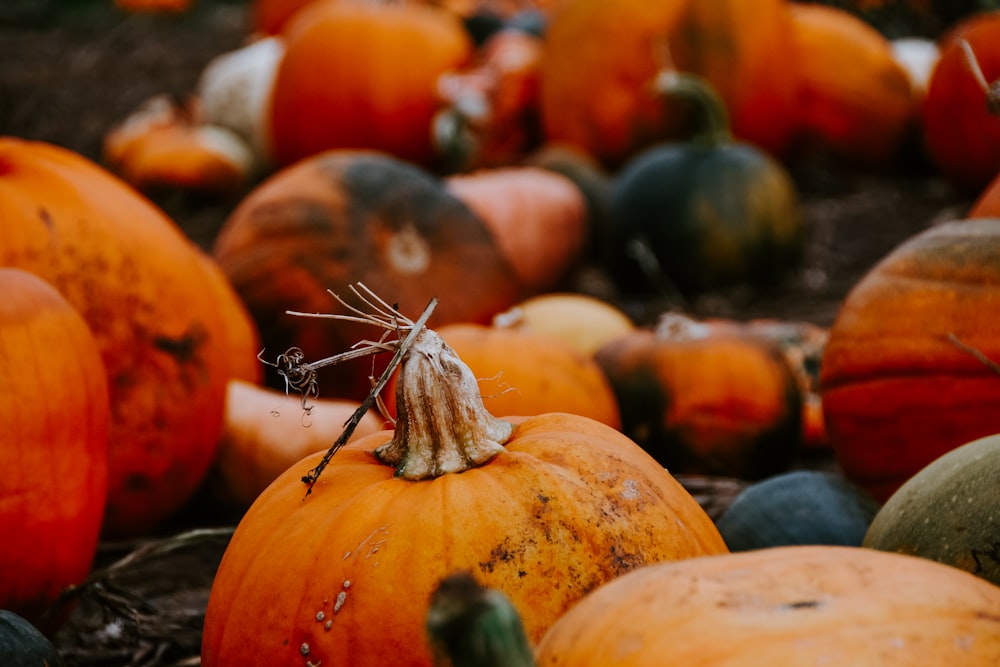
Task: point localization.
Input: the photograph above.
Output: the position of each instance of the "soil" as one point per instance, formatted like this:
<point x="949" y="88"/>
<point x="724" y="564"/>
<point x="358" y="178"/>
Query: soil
<point x="70" y="69"/>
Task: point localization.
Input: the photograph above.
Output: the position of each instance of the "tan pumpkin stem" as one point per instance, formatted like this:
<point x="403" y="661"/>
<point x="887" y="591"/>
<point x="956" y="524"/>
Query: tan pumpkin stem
<point x="442" y="425"/>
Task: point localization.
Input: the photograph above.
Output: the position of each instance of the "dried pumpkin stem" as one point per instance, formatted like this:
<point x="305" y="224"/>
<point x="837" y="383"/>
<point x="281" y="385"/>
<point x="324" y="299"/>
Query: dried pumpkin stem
<point x="991" y="91"/>
<point x="978" y="354"/>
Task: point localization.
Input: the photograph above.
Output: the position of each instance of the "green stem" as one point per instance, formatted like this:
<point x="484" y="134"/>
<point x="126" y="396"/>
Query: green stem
<point x="713" y="120"/>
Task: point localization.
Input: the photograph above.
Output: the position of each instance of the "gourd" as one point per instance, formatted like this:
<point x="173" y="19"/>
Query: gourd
<point x="783" y="607"/>
<point x="23" y="645"/>
<point x="704" y="214"/>
<point x="544" y="509"/>
<point x="948" y="512"/>
<point x="903" y="377"/>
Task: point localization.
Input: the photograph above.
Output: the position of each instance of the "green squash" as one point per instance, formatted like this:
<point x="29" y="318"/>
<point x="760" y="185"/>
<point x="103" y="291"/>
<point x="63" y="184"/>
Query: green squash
<point x="948" y="512"/>
<point x="24" y="645"/>
<point x="703" y="214"/>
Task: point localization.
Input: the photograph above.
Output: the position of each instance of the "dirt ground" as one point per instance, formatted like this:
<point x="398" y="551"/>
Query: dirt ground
<point x="70" y="69"/>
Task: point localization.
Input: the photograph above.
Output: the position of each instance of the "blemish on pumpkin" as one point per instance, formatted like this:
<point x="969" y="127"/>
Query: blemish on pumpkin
<point x="46" y="218"/>
<point x="408" y="251"/>
<point x="320" y="616"/>
<point x="341" y="599"/>
<point x="630" y="490"/>
<point x="803" y="604"/>
<point x="304" y="648"/>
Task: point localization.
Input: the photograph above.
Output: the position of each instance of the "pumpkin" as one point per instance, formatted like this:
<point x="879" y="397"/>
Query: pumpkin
<point x="537" y="217"/>
<point x="145" y="291"/>
<point x="362" y="75"/>
<point x="706" y="214"/>
<point x="783" y="607"/>
<point x="490" y="112"/>
<point x="605" y="101"/>
<point x="265" y="431"/>
<point x="544" y="509"/>
<point x="987" y="204"/>
<point x="902" y="381"/>
<point x="706" y="401"/>
<point x="961" y="128"/>
<point x="797" y="507"/>
<point x="345" y="216"/>
<point x="856" y="101"/>
<point x="948" y="512"/>
<point x="24" y="645"/>
<point x="54" y="447"/>
<point x="585" y="322"/>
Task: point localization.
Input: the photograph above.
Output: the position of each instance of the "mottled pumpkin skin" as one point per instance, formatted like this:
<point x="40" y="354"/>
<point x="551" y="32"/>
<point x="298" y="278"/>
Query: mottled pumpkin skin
<point x="348" y="571"/>
<point x="344" y="217"/>
<point x="362" y="75"/>
<point x="784" y="607"/>
<point x="53" y="445"/>
<point x="897" y="390"/>
<point x="948" y="512"/>
<point x="148" y="295"/>
<point x="723" y="405"/>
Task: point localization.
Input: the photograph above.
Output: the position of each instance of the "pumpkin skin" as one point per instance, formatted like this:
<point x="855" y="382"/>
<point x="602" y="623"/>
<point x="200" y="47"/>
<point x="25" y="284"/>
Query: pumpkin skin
<point x="987" y="205"/>
<point x="362" y="75"/>
<point x="714" y="213"/>
<point x="601" y="100"/>
<point x="948" y="512"/>
<point x="856" y="100"/>
<point x="545" y="510"/>
<point x="706" y="402"/>
<point x="798" y="507"/>
<point x="897" y="392"/>
<point x="24" y="645"/>
<point x="961" y="134"/>
<point x="356" y="216"/>
<point x="56" y="419"/>
<point x="794" y="605"/>
<point x="141" y="286"/>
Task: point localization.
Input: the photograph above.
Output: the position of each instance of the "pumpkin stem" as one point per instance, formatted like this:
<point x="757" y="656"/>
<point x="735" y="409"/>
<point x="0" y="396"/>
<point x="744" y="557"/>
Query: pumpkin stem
<point x="990" y="90"/>
<point x="713" y="120"/>
<point x="442" y="425"/>
<point x="472" y="626"/>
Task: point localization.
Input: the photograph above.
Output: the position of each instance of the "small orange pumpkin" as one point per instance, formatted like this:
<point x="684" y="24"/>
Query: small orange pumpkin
<point x="544" y="509"/>
<point x="902" y="378"/>
<point x="363" y="75"/>
<point x="704" y="399"/>
<point x="856" y="100"/>
<point x="54" y="444"/>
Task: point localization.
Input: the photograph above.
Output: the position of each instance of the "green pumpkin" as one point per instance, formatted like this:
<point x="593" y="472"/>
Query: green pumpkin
<point x="23" y="645"/>
<point x="703" y="214"/>
<point x="948" y="512"/>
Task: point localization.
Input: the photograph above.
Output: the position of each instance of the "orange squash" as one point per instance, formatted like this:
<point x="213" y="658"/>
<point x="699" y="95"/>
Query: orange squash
<point x="545" y="509"/>
<point x="344" y="217"/>
<point x="706" y="400"/>
<point x="961" y="120"/>
<point x="856" y="100"/>
<point x="784" y="607"/>
<point x="604" y="101"/>
<point x="53" y="446"/>
<point x="902" y="380"/>
<point x="148" y="295"/>
<point x="363" y="75"/>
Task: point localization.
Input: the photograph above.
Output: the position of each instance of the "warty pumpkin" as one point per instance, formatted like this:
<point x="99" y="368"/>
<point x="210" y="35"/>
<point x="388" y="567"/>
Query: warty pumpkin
<point x="706" y="401"/>
<point x="148" y="296"/>
<point x="53" y="448"/>
<point x="783" y="607"/>
<point x="544" y="508"/>
<point x="901" y="380"/>
<point x="362" y="75"/>
<point x="346" y="216"/>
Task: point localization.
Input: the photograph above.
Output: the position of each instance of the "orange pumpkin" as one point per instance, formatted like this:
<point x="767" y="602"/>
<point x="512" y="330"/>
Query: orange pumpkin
<point x="902" y="381"/>
<point x="265" y="431"/>
<point x="362" y="75"/>
<point x="54" y="444"/>
<point x="856" y="100"/>
<point x="344" y="217"/>
<point x="604" y="101"/>
<point x="544" y="509"/>
<point x="706" y="400"/>
<point x="539" y="219"/>
<point x="147" y="293"/>
<point x="987" y="204"/>
<point x="961" y="120"/>
<point x="784" y="607"/>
